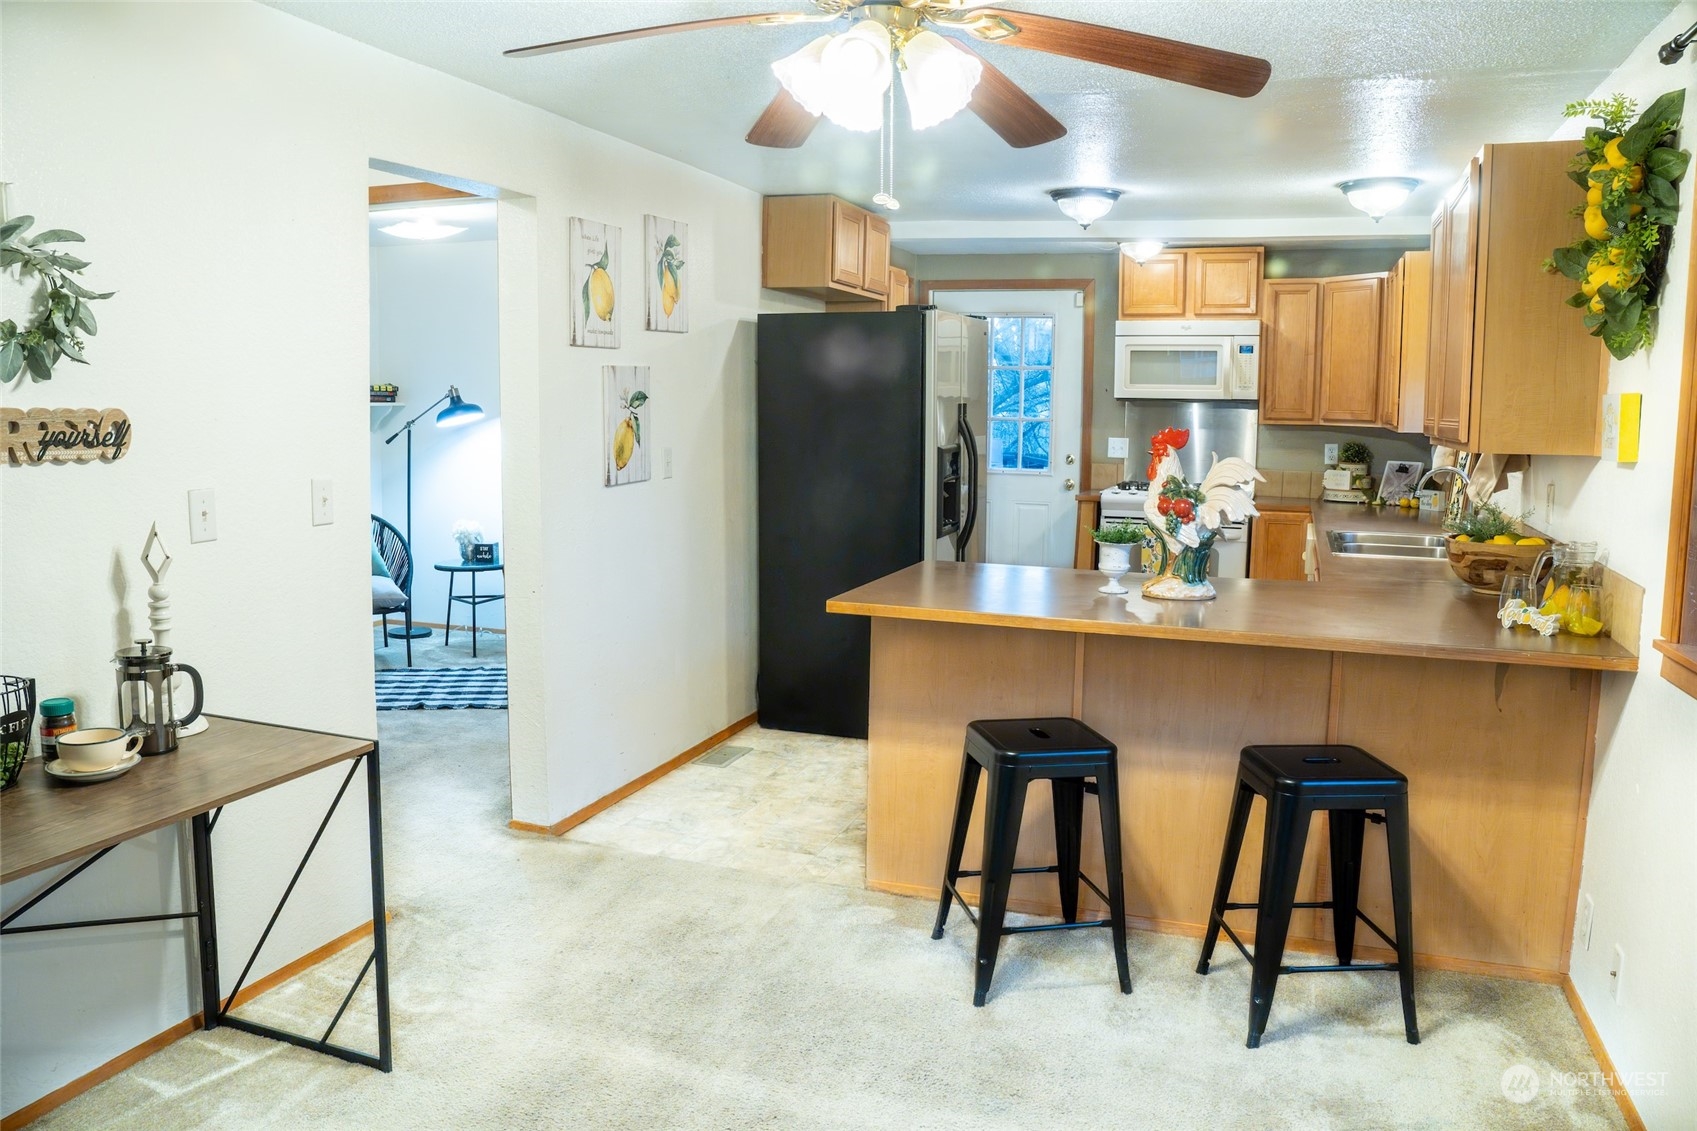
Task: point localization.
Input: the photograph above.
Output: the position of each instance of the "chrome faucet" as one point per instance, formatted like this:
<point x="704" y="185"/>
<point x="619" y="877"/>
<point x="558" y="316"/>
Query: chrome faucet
<point x="1463" y="504"/>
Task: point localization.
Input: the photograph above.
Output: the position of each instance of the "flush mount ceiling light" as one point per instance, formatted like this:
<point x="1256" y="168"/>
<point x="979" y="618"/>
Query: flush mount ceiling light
<point x="1085" y="205"/>
<point x="422" y="230"/>
<point x="1377" y="196"/>
<point x="1141" y="250"/>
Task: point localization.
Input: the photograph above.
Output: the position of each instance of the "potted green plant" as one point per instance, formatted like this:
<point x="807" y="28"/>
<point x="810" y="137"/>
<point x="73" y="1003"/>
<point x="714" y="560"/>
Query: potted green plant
<point x="1114" y="547"/>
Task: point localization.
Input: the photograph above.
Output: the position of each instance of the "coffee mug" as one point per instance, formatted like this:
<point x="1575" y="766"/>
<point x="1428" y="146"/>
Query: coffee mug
<point x="97" y="748"/>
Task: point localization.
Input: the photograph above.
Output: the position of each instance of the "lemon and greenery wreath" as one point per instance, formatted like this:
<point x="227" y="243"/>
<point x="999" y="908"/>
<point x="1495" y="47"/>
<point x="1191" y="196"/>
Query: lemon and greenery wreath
<point x="1629" y="174"/>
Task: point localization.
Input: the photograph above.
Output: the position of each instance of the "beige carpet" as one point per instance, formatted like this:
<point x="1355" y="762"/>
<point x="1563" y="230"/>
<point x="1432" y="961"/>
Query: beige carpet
<point x="560" y="983"/>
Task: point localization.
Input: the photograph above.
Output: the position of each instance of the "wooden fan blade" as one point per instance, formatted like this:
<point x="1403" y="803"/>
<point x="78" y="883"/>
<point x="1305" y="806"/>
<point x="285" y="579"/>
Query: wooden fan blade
<point x="1007" y="109"/>
<point x="661" y="29"/>
<point x="784" y="124"/>
<point x="1206" y="67"/>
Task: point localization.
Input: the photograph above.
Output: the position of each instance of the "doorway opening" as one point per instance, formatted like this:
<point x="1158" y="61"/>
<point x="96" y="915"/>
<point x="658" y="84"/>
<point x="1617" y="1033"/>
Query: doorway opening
<point x="1038" y="409"/>
<point x="438" y="586"/>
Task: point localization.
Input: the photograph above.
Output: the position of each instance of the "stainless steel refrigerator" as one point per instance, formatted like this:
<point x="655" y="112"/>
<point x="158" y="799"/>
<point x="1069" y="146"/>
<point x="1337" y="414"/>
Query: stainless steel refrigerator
<point x="870" y="430"/>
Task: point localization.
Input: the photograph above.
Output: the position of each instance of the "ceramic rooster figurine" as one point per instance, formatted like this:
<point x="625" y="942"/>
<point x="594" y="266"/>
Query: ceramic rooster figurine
<point x="1186" y="518"/>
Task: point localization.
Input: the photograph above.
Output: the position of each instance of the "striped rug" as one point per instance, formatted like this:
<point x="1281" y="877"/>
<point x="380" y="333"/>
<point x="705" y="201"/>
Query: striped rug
<point x="427" y="689"/>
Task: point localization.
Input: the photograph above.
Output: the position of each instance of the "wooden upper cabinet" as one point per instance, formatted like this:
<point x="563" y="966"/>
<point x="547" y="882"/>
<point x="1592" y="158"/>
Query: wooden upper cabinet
<point x="1154" y="288"/>
<point x="1290" y="350"/>
<point x="1511" y="368"/>
<point x="1198" y="282"/>
<point x="848" y="245"/>
<point x="901" y="289"/>
<point x="824" y="247"/>
<point x="1454" y="274"/>
<point x="1225" y="282"/>
<point x="1351" y="318"/>
<point x="876" y="246"/>
<point x="1404" y="342"/>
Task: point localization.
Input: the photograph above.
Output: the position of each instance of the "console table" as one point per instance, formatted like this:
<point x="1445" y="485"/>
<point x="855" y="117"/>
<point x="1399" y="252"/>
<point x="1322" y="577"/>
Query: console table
<point x="44" y="823"/>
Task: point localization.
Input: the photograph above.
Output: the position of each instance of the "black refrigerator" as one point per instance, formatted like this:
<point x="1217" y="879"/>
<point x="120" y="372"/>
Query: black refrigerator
<point x="868" y="432"/>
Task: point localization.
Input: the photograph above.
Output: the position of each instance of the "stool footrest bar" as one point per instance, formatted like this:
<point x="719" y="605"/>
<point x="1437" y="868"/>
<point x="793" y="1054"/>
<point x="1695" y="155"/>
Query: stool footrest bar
<point x="1056" y="927"/>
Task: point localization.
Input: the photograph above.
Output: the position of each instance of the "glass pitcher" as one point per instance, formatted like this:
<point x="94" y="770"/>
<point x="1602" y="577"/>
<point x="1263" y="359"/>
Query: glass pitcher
<point x="1564" y="565"/>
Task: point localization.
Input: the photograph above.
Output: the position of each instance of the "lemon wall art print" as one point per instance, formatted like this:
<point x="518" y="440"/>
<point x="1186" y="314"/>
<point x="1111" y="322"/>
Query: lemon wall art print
<point x="594" y="251"/>
<point x="625" y="399"/>
<point x="663" y="244"/>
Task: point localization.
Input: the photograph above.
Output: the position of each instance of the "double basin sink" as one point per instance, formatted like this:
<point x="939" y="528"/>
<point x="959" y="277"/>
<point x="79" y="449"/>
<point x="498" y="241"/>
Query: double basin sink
<point x="1387" y="544"/>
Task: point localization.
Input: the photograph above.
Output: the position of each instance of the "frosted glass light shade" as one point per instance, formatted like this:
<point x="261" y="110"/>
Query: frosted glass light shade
<point x="843" y="77"/>
<point x="1141" y="250"/>
<point x="1085" y="206"/>
<point x="937" y="78"/>
<point x="1378" y="196"/>
<point x="422" y="230"/>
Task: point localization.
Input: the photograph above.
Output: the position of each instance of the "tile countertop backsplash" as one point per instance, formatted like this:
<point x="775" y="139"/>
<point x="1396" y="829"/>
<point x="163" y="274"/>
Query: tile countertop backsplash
<point x="1289" y="484"/>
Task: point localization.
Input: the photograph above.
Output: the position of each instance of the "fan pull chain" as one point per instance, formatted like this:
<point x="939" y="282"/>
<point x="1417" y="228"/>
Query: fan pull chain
<point x="887" y="148"/>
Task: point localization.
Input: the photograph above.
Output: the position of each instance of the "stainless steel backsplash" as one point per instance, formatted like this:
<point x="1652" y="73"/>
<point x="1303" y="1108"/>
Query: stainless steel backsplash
<point x="1223" y="428"/>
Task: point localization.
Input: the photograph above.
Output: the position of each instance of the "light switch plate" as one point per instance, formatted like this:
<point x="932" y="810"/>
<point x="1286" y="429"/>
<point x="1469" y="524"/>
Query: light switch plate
<point x="666" y="463"/>
<point x="323" y="503"/>
<point x="203" y="516"/>
<point x="1118" y="447"/>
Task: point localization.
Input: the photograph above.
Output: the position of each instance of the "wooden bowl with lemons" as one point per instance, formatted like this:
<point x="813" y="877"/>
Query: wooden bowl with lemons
<point x="1482" y="565"/>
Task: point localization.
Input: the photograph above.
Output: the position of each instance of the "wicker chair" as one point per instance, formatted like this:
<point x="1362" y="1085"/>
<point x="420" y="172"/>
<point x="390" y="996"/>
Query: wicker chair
<point x="397" y="557"/>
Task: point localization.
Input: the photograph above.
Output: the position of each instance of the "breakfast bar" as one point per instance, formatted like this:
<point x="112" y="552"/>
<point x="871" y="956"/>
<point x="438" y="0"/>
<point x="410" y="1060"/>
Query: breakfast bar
<point x="1494" y="728"/>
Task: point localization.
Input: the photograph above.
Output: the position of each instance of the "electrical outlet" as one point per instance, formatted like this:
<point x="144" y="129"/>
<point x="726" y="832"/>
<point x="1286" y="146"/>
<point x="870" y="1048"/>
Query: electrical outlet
<point x="1587" y="910"/>
<point x="1118" y="447"/>
<point x="1331" y="455"/>
<point x="665" y="463"/>
<point x="1617" y="973"/>
<point x="323" y="503"/>
<point x="203" y="517"/>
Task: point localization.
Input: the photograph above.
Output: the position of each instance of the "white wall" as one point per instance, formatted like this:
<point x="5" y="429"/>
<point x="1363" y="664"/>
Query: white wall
<point x="218" y="165"/>
<point x="435" y="322"/>
<point x="1641" y="846"/>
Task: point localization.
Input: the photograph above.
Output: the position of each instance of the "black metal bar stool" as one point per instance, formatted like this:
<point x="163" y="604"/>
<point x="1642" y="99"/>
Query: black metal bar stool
<point x="1297" y="782"/>
<point x="1016" y="752"/>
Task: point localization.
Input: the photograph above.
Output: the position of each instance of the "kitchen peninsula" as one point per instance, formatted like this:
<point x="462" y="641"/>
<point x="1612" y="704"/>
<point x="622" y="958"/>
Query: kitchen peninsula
<point x="1495" y="729"/>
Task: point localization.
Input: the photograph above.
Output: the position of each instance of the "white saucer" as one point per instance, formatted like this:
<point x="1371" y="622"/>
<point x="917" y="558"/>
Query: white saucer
<point x="63" y="772"/>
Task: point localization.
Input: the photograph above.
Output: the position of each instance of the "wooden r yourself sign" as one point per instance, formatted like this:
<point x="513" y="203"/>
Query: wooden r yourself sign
<point x="64" y="435"/>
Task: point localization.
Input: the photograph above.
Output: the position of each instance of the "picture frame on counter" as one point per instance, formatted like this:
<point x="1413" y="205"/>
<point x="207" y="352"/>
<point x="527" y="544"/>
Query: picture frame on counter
<point x="1399" y="478"/>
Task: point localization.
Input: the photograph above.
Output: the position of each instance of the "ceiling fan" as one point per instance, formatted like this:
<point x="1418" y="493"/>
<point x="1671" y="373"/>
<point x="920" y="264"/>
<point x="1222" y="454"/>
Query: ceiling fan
<point x="844" y="76"/>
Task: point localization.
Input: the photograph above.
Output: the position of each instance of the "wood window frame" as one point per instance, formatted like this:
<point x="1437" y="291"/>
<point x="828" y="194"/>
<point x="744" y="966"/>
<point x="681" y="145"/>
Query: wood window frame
<point x="1087" y="375"/>
<point x="1678" y="642"/>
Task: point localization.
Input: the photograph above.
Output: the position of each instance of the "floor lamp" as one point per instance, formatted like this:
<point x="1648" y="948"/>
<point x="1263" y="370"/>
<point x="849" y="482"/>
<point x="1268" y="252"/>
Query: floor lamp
<point x="457" y="413"/>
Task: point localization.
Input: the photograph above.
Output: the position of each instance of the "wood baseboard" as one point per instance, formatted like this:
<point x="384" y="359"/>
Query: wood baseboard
<point x="1300" y="943"/>
<point x="575" y="819"/>
<point x="33" y="1111"/>
<point x="1628" y="1110"/>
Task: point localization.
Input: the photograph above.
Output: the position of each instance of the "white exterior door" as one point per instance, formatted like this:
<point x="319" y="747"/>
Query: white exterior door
<point x="1036" y="418"/>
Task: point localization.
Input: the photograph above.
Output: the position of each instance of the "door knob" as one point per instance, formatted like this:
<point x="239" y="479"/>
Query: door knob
<point x="1069" y="484"/>
<point x="1070" y="460"/>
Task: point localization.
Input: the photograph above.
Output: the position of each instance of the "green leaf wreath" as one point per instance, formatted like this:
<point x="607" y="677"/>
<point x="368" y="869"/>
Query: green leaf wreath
<point x="63" y="314"/>
<point x="1630" y="175"/>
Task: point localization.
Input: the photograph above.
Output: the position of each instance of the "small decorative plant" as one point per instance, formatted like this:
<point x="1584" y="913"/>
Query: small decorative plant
<point x="1355" y="452"/>
<point x="1122" y="534"/>
<point x="1630" y="175"/>
<point x="1488" y="523"/>
<point x="467" y="534"/>
<point x="62" y="314"/>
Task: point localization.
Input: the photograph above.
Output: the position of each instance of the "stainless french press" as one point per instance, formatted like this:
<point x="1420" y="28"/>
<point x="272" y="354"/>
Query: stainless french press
<point x="144" y="695"/>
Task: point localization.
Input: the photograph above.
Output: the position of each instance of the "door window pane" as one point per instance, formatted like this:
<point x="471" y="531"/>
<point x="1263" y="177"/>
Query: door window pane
<point x="1021" y="384"/>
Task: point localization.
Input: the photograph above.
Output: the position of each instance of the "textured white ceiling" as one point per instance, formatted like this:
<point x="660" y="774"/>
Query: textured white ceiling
<point x="1404" y="87"/>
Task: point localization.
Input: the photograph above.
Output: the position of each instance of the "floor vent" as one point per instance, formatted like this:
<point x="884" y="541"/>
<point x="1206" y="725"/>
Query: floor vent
<point x="722" y="755"/>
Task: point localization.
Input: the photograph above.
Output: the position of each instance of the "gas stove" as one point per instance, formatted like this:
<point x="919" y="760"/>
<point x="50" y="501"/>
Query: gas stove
<point x="1125" y="500"/>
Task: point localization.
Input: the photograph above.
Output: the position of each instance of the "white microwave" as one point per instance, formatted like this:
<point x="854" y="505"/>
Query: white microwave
<point x="1201" y="359"/>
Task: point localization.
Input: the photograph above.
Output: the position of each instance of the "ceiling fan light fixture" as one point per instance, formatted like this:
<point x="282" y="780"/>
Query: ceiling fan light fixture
<point x="842" y="76"/>
<point x="937" y="78"/>
<point x="1085" y="206"/>
<point x="1378" y="196"/>
<point x="1140" y="251"/>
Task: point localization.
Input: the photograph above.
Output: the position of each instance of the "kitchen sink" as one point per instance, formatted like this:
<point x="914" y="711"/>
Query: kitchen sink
<point x="1387" y="544"/>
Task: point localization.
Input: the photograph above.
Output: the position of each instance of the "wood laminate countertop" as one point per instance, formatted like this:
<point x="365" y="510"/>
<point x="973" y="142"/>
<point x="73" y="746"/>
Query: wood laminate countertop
<point x="1396" y="617"/>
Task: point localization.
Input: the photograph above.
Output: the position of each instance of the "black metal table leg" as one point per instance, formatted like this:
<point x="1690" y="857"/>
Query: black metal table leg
<point x="474" y="616"/>
<point x="211" y="991"/>
<point x="379" y="906"/>
<point x="448" y="617"/>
